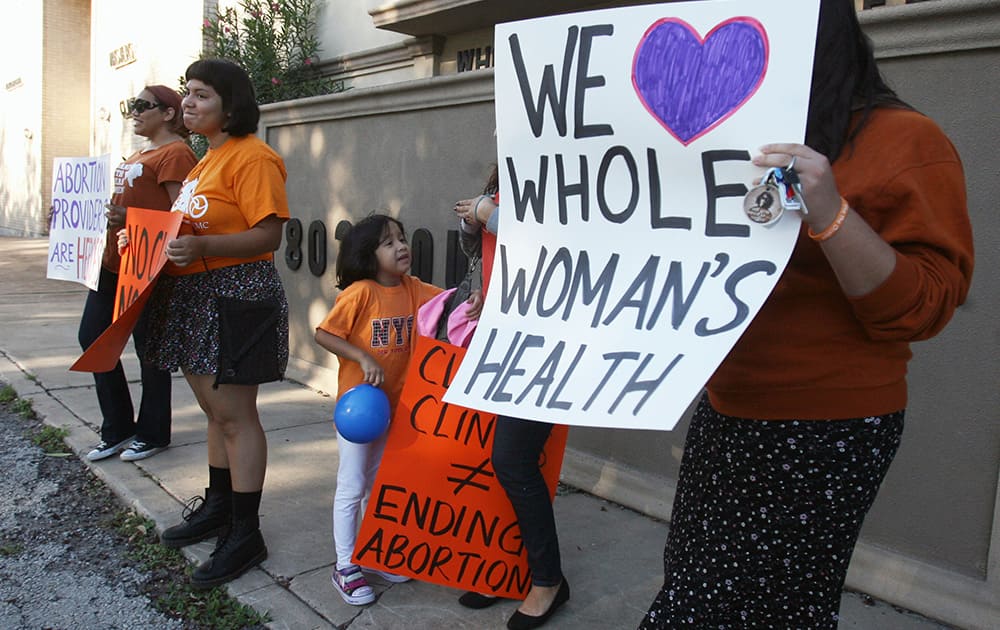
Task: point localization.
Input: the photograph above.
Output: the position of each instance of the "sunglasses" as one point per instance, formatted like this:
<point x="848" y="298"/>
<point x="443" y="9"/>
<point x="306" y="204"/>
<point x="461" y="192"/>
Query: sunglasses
<point x="139" y="105"/>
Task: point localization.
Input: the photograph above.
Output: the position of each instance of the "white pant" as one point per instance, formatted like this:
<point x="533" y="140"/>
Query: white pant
<point x="355" y="476"/>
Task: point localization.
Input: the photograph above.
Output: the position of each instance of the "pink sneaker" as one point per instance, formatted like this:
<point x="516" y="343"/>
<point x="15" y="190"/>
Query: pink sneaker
<point x="352" y="586"/>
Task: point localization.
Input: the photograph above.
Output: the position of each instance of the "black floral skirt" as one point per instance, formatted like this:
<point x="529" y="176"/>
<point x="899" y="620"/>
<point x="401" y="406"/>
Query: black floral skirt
<point x="184" y="320"/>
<point x="766" y="517"/>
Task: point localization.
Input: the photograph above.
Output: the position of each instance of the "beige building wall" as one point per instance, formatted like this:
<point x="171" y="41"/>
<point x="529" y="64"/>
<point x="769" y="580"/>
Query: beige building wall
<point x="131" y="47"/>
<point x="411" y="139"/>
<point x="21" y="119"/>
<point x="65" y="84"/>
<point x="345" y="27"/>
<point x="940" y="503"/>
<point x="381" y="149"/>
<point x="67" y="68"/>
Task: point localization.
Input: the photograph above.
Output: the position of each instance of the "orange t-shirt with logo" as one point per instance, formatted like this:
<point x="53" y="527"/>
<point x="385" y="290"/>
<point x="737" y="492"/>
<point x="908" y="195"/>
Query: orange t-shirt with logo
<point x="379" y="320"/>
<point x="232" y="189"/>
<point x="139" y="183"/>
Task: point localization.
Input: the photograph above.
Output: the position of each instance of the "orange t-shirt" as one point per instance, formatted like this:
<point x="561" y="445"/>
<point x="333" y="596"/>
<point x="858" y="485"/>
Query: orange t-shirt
<point x="379" y="320"/>
<point x="139" y="184"/>
<point x="232" y="189"/>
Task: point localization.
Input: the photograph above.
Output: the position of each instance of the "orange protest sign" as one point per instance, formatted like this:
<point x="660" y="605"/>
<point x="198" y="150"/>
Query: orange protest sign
<point x="437" y="512"/>
<point x="149" y="231"/>
<point x="148" y="234"/>
<point x="103" y="354"/>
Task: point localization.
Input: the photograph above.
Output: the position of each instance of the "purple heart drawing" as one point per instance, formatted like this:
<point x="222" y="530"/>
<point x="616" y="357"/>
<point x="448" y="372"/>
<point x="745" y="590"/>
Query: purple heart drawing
<point x="690" y="84"/>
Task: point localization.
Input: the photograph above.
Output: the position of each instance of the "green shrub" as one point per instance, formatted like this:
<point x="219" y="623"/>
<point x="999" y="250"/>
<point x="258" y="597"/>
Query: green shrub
<point x="276" y="43"/>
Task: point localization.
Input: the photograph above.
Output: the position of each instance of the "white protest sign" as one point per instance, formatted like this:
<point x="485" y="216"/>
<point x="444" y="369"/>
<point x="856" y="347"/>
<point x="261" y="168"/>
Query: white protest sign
<point x="78" y="231"/>
<point x="626" y="268"/>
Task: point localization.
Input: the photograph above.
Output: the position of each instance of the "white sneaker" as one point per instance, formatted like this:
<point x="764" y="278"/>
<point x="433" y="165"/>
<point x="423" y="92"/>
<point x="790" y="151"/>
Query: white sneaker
<point x="388" y="577"/>
<point x="352" y="586"/>
<point x="103" y="450"/>
<point x="140" y="450"/>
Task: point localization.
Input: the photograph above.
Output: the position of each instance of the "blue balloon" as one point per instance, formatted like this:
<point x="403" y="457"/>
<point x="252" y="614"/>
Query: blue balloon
<point x="362" y="414"/>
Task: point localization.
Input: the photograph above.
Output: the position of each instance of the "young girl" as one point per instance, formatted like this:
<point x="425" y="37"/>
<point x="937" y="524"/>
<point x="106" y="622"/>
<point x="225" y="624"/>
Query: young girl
<point x="369" y="328"/>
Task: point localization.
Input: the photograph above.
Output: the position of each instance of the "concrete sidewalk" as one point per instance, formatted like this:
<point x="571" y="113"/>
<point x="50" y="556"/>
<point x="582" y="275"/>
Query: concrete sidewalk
<point x="612" y="556"/>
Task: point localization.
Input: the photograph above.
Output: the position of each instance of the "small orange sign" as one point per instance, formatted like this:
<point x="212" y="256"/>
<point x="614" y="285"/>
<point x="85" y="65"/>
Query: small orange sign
<point x="437" y="512"/>
<point x="149" y="231"/>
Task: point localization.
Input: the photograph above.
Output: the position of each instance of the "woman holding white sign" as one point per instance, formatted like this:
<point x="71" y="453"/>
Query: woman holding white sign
<point x="517" y="449"/>
<point x="787" y="450"/>
<point x="150" y="178"/>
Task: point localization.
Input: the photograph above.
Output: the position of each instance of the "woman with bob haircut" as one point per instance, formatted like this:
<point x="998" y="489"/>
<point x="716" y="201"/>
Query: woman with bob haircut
<point x="234" y="204"/>
<point x="786" y="452"/>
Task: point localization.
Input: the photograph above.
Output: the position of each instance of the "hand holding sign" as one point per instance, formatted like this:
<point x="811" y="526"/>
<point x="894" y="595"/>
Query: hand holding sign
<point x="115" y="215"/>
<point x="142" y="260"/>
<point x="77" y="225"/>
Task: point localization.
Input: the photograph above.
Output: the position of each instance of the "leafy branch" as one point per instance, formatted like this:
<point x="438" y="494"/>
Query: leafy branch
<point x="276" y="43"/>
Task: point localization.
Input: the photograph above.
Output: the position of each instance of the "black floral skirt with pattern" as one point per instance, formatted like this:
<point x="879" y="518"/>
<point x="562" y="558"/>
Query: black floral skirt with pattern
<point x="766" y="517"/>
<point x="184" y="320"/>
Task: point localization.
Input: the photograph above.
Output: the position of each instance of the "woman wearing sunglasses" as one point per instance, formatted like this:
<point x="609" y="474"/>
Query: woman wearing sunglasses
<point x="150" y="178"/>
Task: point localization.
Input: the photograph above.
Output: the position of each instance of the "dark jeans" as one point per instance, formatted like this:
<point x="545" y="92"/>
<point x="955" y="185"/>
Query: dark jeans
<point x="113" y="394"/>
<point x="517" y="447"/>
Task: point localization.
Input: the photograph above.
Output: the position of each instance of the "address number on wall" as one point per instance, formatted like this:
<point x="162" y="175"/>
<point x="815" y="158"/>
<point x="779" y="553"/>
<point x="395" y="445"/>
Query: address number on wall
<point x="310" y="245"/>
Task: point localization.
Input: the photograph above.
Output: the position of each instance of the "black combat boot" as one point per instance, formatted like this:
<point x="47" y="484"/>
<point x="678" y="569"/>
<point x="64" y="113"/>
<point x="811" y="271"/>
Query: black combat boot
<point x="237" y="551"/>
<point x="203" y="519"/>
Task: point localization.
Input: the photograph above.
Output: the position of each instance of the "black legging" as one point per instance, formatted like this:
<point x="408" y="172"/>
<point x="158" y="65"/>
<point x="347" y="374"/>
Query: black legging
<point x="113" y="396"/>
<point x="517" y="447"/>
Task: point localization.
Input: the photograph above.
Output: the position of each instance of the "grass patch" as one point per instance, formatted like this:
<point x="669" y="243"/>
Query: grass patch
<point x="8" y="550"/>
<point x="23" y="408"/>
<point x="50" y="439"/>
<point x="143" y="544"/>
<point x="169" y="586"/>
<point x="213" y="608"/>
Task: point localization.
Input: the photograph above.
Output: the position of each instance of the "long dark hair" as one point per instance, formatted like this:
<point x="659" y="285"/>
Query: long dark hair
<point x="356" y="259"/>
<point x="492" y="182"/>
<point x="845" y="79"/>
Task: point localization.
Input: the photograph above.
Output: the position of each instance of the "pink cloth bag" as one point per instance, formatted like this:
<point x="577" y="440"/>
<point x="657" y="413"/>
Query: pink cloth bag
<point x="460" y="327"/>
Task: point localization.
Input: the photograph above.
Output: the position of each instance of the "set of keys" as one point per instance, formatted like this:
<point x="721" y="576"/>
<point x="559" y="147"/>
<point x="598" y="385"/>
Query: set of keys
<point x="779" y="190"/>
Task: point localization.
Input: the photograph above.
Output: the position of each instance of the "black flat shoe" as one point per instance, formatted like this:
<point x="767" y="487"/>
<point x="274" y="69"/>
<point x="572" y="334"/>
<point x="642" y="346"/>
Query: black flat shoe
<point x="521" y="621"/>
<point x="472" y="599"/>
